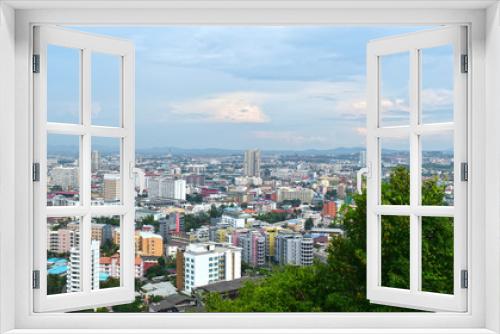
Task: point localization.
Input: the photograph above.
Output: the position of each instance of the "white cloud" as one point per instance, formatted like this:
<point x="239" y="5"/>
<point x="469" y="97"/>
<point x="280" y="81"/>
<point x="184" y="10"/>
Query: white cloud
<point x="237" y="107"/>
<point x="436" y="98"/>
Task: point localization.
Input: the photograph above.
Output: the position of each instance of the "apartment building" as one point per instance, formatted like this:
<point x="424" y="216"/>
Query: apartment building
<point x="293" y="248"/>
<point x="73" y="277"/>
<point x="209" y="262"/>
<point x="253" y="248"/>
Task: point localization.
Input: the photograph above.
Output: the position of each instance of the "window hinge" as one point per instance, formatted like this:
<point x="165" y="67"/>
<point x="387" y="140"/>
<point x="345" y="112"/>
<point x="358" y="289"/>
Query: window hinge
<point x="36" y="63"/>
<point x="464" y="279"/>
<point x="464" y="169"/>
<point x="465" y="63"/>
<point x="36" y="172"/>
<point x="36" y="279"/>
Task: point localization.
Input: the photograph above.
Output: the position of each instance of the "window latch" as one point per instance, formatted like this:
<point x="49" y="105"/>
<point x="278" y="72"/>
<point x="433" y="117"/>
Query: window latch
<point x="36" y="279"/>
<point x="465" y="64"/>
<point x="464" y="279"/>
<point x="464" y="171"/>
<point x="36" y="63"/>
<point x="36" y="172"/>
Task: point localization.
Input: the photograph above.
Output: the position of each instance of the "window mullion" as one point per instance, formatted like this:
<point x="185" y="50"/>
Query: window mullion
<point x="86" y="175"/>
<point x="415" y="235"/>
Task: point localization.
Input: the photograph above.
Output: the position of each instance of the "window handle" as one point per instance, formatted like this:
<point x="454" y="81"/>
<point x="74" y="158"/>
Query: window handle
<point x="137" y="173"/>
<point x="359" y="177"/>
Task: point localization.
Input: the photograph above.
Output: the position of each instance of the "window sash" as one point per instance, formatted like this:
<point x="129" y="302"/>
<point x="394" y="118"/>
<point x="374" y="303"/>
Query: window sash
<point x="87" y="44"/>
<point x="414" y="297"/>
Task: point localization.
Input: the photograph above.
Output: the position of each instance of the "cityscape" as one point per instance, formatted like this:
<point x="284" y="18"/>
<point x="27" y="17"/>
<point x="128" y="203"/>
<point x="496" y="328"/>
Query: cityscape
<point x="209" y="221"/>
<point x="258" y="204"/>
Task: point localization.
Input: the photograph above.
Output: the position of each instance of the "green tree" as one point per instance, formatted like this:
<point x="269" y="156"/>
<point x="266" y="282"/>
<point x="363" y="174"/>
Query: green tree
<point x="136" y="306"/>
<point x="55" y="284"/>
<point x="110" y="283"/>
<point x="309" y="224"/>
<point x="194" y="198"/>
<point x="109" y="248"/>
<point x="339" y="285"/>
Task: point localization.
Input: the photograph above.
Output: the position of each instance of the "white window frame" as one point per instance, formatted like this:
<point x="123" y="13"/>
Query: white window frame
<point x="483" y="315"/>
<point x="87" y="44"/>
<point x="412" y="44"/>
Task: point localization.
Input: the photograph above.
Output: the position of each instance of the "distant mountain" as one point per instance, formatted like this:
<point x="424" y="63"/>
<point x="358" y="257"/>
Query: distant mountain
<point x="221" y="151"/>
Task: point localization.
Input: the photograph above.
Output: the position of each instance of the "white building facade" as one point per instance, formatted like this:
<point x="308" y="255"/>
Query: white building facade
<point x="206" y="263"/>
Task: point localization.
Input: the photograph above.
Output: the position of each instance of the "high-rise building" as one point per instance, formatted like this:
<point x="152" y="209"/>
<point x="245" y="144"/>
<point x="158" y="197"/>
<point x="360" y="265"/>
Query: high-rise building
<point x="362" y="159"/>
<point x="270" y="233"/>
<point x="206" y="263"/>
<point x="162" y="187"/>
<point x="73" y="277"/>
<point x="101" y="232"/>
<point x="112" y="187"/>
<point x="65" y="177"/>
<point x="329" y="209"/>
<point x="96" y="161"/>
<point x="253" y="248"/>
<point x="293" y="248"/>
<point x="252" y="163"/>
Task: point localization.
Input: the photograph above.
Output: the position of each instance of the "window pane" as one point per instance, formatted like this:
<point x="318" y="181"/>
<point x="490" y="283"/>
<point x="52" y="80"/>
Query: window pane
<point x="106" y="89"/>
<point x="437" y="254"/>
<point x="436" y="96"/>
<point x="395" y="251"/>
<point x="437" y="168"/>
<point x="394" y="106"/>
<point x="105" y="252"/>
<point x="63" y="84"/>
<point x="63" y="169"/>
<point x="395" y="171"/>
<point x="63" y="255"/>
<point x="106" y="177"/>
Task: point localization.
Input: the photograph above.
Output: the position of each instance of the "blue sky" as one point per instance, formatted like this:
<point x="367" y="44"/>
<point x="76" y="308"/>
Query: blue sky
<point x="243" y="87"/>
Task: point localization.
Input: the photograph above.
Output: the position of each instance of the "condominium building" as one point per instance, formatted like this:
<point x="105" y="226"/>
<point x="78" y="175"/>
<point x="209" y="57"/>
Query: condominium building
<point x="293" y="248"/>
<point x="62" y="240"/>
<point x="101" y="232"/>
<point x="111" y="266"/>
<point x="149" y="244"/>
<point x="96" y="161"/>
<point x="162" y="187"/>
<point x="253" y="248"/>
<point x="65" y="177"/>
<point x="252" y="163"/>
<point x="329" y="209"/>
<point x="73" y="277"/>
<point x="209" y="262"/>
<point x="305" y="195"/>
<point x="270" y="233"/>
<point x="112" y="188"/>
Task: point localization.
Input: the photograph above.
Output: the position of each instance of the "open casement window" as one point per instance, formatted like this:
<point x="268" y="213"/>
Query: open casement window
<point x="83" y="165"/>
<point x="417" y="240"/>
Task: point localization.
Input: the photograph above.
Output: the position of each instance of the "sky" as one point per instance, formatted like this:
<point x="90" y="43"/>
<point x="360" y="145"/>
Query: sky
<point x="273" y="88"/>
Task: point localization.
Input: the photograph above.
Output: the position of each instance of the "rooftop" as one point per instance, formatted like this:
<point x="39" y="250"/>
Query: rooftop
<point x="227" y="286"/>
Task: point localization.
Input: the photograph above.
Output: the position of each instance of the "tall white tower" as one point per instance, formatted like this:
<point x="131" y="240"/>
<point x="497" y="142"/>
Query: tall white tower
<point x="73" y="278"/>
<point x="252" y="163"/>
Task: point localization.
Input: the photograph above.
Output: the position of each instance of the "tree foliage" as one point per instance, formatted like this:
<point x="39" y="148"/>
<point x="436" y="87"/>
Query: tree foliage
<point x="309" y="224"/>
<point x="339" y="285"/>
